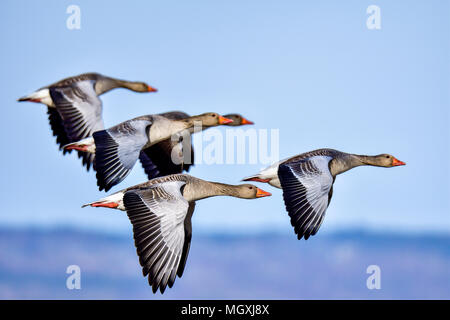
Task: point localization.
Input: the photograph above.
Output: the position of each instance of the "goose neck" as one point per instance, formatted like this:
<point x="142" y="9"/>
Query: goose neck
<point x="197" y="190"/>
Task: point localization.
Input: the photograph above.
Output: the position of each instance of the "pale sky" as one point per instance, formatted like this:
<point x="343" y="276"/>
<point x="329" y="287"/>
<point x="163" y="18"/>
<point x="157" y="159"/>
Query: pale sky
<point x="313" y="71"/>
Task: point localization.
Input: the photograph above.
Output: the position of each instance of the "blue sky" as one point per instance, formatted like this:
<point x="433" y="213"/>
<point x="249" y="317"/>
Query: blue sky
<point x="312" y="70"/>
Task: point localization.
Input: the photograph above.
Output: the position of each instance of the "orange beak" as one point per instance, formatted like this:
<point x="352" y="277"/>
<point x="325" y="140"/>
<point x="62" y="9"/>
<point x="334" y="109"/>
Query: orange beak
<point x="223" y="120"/>
<point x="261" y="193"/>
<point x="396" y="162"/>
<point x="245" y="121"/>
<point x="151" y="89"/>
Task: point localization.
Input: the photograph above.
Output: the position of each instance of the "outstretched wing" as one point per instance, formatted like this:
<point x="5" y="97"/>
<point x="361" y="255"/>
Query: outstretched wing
<point x="187" y="238"/>
<point x="158" y="217"/>
<point x="307" y="186"/>
<point x="117" y="150"/>
<point x="80" y="111"/>
<point x="57" y="125"/>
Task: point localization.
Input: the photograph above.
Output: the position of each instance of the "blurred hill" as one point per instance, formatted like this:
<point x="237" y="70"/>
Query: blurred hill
<point x="33" y="266"/>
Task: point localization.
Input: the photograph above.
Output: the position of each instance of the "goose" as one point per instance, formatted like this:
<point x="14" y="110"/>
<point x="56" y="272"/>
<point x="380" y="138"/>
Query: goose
<point x="307" y="182"/>
<point x="161" y="154"/>
<point x="118" y="148"/>
<point x="74" y="108"/>
<point x="160" y="211"/>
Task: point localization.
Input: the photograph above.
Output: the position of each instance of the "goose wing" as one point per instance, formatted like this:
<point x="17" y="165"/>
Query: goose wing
<point x="158" y="216"/>
<point x="307" y="189"/>
<point x="157" y="159"/>
<point x="80" y="114"/>
<point x="187" y="238"/>
<point x="57" y="125"/>
<point x="117" y="149"/>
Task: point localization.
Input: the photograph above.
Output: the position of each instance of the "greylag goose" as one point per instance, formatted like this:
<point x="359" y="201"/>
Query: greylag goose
<point x="118" y="148"/>
<point x="160" y="154"/>
<point x="307" y="182"/>
<point x="160" y="211"/>
<point x="74" y="106"/>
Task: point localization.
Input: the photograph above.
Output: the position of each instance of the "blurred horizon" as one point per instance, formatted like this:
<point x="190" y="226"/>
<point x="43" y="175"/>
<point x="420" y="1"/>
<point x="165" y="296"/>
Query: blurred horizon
<point x="228" y="266"/>
<point x="124" y="228"/>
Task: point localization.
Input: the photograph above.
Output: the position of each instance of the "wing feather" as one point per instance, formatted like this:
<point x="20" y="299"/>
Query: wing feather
<point x="157" y="159"/>
<point x="78" y="114"/>
<point x="117" y="150"/>
<point x="158" y="215"/>
<point x="306" y="185"/>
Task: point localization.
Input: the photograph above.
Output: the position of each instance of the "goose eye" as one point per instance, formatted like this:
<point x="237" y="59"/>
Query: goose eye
<point x="387" y="157"/>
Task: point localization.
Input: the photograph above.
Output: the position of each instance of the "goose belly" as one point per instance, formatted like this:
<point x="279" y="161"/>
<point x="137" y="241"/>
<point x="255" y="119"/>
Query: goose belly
<point x="275" y="182"/>
<point x="160" y="130"/>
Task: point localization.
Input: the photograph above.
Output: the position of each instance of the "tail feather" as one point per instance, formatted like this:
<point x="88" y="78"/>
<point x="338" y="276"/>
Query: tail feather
<point x="102" y="203"/>
<point x="114" y="201"/>
<point x="256" y="178"/>
<point x="75" y="146"/>
<point x="24" y="99"/>
<point x="28" y="98"/>
<point x="85" y="145"/>
<point x="42" y="96"/>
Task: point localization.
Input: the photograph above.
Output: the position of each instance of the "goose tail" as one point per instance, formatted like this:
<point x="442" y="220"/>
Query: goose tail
<point x="256" y="178"/>
<point x="40" y="96"/>
<point x="85" y="145"/>
<point x="268" y="175"/>
<point x="114" y="201"/>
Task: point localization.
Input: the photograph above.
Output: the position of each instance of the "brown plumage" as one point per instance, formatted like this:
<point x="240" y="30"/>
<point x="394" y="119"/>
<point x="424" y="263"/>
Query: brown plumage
<point x="160" y="211"/>
<point x="307" y="182"/>
<point x="118" y="148"/>
<point x="157" y="159"/>
<point x="75" y="109"/>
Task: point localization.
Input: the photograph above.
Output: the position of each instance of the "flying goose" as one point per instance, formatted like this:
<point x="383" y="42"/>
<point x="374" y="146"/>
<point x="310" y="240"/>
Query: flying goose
<point x="307" y="182"/>
<point x="74" y="106"/>
<point x="160" y="211"/>
<point x="118" y="148"/>
<point x="161" y="154"/>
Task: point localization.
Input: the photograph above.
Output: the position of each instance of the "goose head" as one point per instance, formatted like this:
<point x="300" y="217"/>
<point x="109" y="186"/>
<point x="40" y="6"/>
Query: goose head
<point x="209" y="119"/>
<point x="249" y="191"/>
<point x="141" y="87"/>
<point x="385" y="160"/>
<point x="238" y="120"/>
